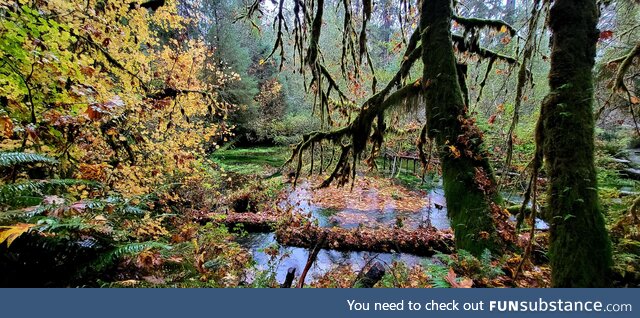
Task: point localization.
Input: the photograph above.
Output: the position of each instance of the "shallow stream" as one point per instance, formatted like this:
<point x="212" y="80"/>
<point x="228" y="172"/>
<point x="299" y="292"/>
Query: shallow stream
<point x="434" y="213"/>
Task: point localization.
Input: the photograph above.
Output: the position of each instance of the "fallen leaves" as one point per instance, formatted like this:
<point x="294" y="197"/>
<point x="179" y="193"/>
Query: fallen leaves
<point x="6" y="126"/>
<point x="422" y="241"/>
<point x="369" y="194"/>
<point x="455" y="282"/>
<point x="605" y="35"/>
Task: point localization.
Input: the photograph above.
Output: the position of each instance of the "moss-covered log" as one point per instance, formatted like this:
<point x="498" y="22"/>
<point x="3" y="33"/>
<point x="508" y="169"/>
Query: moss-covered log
<point x="579" y="250"/>
<point x="423" y="241"/>
<point x="469" y="184"/>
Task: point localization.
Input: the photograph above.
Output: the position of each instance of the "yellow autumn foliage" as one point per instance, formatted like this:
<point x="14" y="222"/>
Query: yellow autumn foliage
<point x="133" y="112"/>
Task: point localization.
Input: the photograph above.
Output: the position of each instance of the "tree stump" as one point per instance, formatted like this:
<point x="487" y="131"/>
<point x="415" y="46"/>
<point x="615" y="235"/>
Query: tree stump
<point x="288" y="281"/>
<point x="372" y="276"/>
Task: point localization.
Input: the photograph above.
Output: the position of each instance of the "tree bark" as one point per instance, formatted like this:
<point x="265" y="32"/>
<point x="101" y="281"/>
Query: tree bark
<point x="469" y="184"/>
<point x="580" y="251"/>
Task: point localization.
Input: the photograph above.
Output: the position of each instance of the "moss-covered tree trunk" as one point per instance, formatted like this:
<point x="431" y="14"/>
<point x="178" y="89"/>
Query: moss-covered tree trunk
<point x="469" y="184"/>
<point x="579" y="247"/>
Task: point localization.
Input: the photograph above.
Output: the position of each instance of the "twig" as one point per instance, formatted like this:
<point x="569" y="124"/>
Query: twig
<point x="312" y="258"/>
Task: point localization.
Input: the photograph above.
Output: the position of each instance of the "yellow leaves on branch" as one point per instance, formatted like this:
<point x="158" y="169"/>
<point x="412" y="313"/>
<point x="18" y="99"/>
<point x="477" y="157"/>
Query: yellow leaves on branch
<point x="11" y="233"/>
<point x="106" y="90"/>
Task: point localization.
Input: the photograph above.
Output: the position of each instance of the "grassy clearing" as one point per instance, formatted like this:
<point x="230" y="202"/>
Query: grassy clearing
<point x="408" y="178"/>
<point x="251" y="160"/>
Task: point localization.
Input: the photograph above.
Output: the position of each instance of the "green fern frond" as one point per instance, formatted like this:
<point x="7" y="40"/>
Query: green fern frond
<point x="55" y="224"/>
<point x="118" y="252"/>
<point x="439" y="282"/>
<point x="437" y="274"/>
<point x="129" y="209"/>
<point x="14" y="190"/>
<point x="122" y="205"/>
<point x="135" y="248"/>
<point x="26" y="213"/>
<point x="71" y="182"/>
<point x="10" y="159"/>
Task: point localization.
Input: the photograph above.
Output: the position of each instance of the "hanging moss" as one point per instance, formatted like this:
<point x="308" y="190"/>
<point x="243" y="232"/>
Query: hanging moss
<point x="469" y="183"/>
<point x="580" y="251"/>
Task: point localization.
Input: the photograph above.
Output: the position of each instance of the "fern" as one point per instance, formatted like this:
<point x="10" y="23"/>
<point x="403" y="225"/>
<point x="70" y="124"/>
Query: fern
<point x="26" y="213"/>
<point x="437" y="274"/>
<point x="9" y="192"/>
<point x="118" y="252"/>
<point x="55" y="224"/>
<point x="488" y="269"/>
<point x="129" y="209"/>
<point x="10" y="159"/>
<point x="122" y="205"/>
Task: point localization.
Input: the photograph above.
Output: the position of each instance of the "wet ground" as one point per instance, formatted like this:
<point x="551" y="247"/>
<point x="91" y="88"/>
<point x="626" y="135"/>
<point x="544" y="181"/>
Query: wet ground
<point x="368" y="214"/>
<point x="301" y="200"/>
<point x="374" y="203"/>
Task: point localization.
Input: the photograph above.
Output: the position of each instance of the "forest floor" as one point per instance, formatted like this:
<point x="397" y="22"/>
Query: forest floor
<point x="378" y="201"/>
<point x="259" y="228"/>
<point x="358" y="217"/>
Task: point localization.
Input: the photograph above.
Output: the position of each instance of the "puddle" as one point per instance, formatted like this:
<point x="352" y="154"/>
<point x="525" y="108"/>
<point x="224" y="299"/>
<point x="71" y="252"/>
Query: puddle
<point x="434" y="212"/>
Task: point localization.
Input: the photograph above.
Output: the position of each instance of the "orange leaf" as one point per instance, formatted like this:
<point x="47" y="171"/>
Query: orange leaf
<point x="463" y="283"/>
<point x="605" y="35"/>
<point x="635" y="100"/>
<point x="93" y="113"/>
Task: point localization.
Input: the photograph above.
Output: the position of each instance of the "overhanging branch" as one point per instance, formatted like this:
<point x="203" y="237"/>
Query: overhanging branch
<point x="477" y="23"/>
<point x="464" y="46"/>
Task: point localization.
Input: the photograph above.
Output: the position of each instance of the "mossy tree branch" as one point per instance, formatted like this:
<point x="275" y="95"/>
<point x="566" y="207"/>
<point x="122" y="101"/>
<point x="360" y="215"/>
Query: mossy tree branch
<point x="625" y="64"/>
<point x="477" y="23"/>
<point x="475" y="48"/>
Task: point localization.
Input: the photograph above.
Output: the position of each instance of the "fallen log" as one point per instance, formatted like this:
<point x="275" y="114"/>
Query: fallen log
<point x="421" y="242"/>
<point x="630" y="173"/>
<point x="425" y="241"/>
